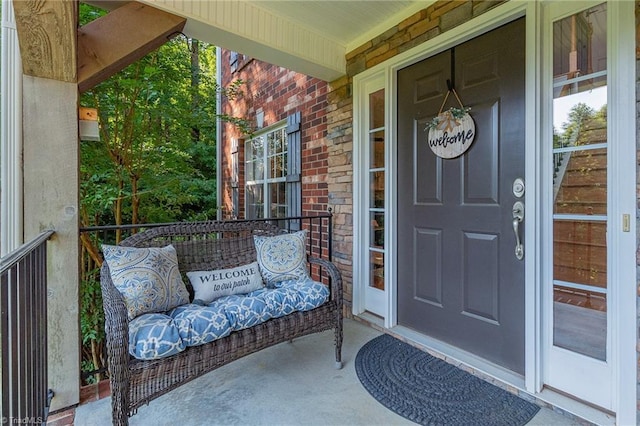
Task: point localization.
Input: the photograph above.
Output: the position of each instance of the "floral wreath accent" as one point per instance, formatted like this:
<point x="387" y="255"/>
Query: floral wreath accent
<point x="451" y="132"/>
<point x="448" y="119"/>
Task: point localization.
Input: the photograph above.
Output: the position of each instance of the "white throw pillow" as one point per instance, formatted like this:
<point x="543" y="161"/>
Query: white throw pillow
<point x="282" y="257"/>
<point x="210" y="285"/>
<point x="147" y="278"/>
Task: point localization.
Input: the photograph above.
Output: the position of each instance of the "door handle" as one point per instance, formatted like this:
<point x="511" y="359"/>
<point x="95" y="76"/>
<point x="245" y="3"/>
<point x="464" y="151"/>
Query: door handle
<point x="518" y="217"/>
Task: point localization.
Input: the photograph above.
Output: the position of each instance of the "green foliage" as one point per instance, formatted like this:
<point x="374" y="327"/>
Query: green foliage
<point x="156" y="160"/>
<point x="91" y="313"/>
<point x="577" y="116"/>
<point x="157" y="155"/>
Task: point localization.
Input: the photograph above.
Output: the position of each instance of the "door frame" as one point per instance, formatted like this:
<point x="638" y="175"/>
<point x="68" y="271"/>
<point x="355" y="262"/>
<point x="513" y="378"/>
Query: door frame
<point x="623" y="245"/>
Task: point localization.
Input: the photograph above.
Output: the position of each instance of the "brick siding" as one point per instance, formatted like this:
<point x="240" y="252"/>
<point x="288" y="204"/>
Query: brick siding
<point x="278" y="92"/>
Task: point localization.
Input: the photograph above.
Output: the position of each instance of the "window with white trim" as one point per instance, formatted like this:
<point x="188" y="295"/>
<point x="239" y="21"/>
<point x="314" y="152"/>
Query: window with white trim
<point x="272" y="171"/>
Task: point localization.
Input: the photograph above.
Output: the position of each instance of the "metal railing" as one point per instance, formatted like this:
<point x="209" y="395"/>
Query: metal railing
<point x="319" y="244"/>
<point x="23" y="333"/>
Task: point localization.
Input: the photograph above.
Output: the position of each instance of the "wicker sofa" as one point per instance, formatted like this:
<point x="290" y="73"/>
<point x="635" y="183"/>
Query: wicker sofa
<point x="204" y="246"/>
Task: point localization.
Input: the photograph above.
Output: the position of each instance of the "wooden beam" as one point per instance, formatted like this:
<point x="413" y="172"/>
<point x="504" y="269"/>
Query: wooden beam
<point x="47" y="37"/>
<point x="110" y="43"/>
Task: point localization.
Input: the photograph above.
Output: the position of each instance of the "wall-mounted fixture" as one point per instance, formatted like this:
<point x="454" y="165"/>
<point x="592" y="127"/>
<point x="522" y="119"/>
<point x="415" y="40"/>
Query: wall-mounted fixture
<point x="88" y="124"/>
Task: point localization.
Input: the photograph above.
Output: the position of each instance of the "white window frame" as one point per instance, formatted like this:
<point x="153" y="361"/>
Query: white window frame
<point x="364" y="298"/>
<point x="266" y="179"/>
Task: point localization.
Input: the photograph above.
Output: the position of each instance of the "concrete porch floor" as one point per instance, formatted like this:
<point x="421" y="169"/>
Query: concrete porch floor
<point x="288" y="384"/>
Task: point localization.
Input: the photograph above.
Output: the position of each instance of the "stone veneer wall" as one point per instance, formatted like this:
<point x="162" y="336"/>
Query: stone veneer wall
<point x="418" y="28"/>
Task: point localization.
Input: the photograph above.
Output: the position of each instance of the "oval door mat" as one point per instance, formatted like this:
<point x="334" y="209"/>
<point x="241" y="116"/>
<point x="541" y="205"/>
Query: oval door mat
<point x="429" y="391"/>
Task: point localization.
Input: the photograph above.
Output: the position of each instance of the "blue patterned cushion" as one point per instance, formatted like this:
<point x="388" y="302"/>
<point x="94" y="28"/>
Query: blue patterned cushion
<point x="310" y="294"/>
<point x="153" y="336"/>
<point x="243" y="311"/>
<point x="198" y="325"/>
<point x="147" y="278"/>
<point x="279" y="301"/>
<point x="282" y="257"/>
<point x="209" y="285"/>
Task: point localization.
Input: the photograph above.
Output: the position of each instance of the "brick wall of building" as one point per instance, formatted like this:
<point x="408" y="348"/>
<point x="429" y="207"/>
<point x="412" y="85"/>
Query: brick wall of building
<point x="278" y="93"/>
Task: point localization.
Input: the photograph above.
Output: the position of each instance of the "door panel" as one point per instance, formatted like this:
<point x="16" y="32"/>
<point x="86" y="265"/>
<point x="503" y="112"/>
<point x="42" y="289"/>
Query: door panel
<point x="458" y="278"/>
<point x="480" y="282"/>
<point x="429" y="289"/>
<point x="480" y="165"/>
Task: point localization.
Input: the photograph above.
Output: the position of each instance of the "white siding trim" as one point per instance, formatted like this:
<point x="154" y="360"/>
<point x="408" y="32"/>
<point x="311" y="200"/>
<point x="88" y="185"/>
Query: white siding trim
<point x="11" y="180"/>
<point x="219" y="153"/>
<point x="245" y="28"/>
<point x="622" y="199"/>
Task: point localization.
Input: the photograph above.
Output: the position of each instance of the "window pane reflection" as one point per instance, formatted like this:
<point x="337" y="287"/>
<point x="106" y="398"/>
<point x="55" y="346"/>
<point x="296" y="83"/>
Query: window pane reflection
<point x="580" y="183"/>
<point x="376" y="109"/>
<point x="377" y="230"/>
<point x="376" y="140"/>
<point x="577" y="325"/>
<point x="376" y="270"/>
<point x="377" y="189"/>
<point x="580" y="252"/>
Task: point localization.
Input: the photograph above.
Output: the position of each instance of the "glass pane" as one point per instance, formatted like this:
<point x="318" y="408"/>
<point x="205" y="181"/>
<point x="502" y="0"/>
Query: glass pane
<point x="377" y="230"/>
<point x="580" y="183"/>
<point x="278" y="165"/>
<point x="278" y="200"/>
<point x="376" y="109"/>
<point x="580" y="321"/>
<point x="276" y="142"/>
<point x="580" y="43"/>
<point x="254" y="152"/>
<point x="376" y="271"/>
<point x="255" y="202"/>
<point x="277" y="155"/>
<point x="580" y="119"/>
<point x="376" y="140"/>
<point x="580" y="252"/>
<point x="377" y="189"/>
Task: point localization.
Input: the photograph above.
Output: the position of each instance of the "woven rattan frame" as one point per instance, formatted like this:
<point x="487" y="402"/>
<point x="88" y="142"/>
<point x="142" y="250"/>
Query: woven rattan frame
<point x="203" y="246"/>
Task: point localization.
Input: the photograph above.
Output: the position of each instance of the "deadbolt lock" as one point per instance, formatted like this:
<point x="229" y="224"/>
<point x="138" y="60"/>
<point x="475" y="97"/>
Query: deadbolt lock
<point x="518" y="187"/>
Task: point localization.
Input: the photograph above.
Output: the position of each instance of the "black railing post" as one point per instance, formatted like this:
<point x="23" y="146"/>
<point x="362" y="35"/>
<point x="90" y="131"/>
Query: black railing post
<point x="23" y="328"/>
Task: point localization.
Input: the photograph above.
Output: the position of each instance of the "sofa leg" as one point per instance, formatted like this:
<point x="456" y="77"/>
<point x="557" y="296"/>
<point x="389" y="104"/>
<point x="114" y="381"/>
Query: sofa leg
<point x="338" y="342"/>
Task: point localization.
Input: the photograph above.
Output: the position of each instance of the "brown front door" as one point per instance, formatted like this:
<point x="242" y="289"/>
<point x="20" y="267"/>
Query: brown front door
<point x="458" y="277"/>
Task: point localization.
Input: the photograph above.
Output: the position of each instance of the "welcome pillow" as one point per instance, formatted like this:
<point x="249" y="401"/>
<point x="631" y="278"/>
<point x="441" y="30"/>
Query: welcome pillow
<point x="282" y="257"/>
<point x="147" y="278"/>
<point x="210" y="285"/>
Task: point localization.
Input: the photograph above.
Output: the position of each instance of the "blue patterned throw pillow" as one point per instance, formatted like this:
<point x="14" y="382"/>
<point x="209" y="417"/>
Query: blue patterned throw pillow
<point x="147" y="278"/>
<point x="282" y="257"/>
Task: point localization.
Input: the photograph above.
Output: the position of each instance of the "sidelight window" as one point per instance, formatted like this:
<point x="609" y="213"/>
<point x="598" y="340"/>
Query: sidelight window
<point x="580" y="150"/>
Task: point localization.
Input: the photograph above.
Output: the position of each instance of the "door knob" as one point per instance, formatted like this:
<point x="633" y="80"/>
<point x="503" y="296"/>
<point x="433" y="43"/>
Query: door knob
<point x="518" y="217"/>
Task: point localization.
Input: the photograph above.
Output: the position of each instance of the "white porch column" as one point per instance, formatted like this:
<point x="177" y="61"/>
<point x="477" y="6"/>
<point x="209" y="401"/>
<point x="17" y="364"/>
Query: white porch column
<point x="51" y="151"/>
<point x="11" y="184"/>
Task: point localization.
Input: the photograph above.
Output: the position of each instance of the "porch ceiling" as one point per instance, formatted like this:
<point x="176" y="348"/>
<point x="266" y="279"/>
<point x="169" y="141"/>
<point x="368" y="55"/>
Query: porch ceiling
<point x="311" y="37"/>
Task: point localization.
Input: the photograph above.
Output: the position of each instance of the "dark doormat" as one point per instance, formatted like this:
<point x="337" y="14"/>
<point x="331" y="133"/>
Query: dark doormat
<point x="429" y="391"/>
